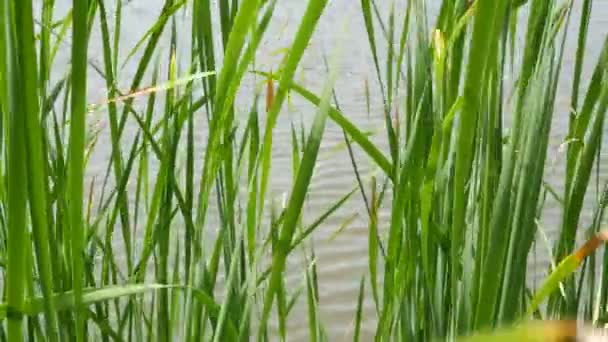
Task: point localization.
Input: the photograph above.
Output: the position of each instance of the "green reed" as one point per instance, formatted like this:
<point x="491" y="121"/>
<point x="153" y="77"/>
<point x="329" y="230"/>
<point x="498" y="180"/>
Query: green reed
<point x="204" y="246"/>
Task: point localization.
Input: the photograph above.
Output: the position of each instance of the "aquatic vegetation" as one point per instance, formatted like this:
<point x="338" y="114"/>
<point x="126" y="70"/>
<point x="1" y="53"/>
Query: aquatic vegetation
<point x="181" y="238"/>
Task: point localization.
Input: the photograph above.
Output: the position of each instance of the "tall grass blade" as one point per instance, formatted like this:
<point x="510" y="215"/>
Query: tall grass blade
<point x="26" y="68"/>
<point x="76" y="152"/>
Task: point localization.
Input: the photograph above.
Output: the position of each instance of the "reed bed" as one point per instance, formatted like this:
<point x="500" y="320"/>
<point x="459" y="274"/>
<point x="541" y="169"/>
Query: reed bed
<point x="204" y="246"/>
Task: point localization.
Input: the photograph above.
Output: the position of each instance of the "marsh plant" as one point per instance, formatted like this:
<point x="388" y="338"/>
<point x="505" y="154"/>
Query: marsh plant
<point x="203" y="247"/>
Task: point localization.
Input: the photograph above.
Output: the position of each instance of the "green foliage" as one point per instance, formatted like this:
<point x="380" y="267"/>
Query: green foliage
<point x="202" y="249"/>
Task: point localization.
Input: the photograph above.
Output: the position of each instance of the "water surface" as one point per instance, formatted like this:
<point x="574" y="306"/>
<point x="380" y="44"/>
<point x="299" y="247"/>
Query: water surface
<point x="343" y="261"/>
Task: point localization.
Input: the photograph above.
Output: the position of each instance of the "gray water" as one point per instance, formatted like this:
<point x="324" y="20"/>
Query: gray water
<point x="343" y="261"/>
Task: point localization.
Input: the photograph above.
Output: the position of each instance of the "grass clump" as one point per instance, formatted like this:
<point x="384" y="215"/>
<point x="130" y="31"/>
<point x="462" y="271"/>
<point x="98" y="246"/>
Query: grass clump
<point x="468" y="190"/>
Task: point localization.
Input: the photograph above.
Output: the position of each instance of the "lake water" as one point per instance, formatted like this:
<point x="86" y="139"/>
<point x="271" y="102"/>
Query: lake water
<point x="343" y="261"/>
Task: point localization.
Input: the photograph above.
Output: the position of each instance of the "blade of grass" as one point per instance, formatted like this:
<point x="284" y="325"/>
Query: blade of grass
<point x="488" y="17"/>
<point x="156" y="29"/>
<point x="565" y="268"/>
<point x="35" y="166"/>
<point x="359" y="311"/>
<point x="16" y="202"/>
<point x="351" y="129"/>
<point x="300" y="188"/>
<point x="76" y="152"/>
<point x="307" y="26"/>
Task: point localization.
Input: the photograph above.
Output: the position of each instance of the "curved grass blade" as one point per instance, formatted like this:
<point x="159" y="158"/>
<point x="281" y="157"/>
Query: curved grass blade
<point x="565" y="269"/>
<point x="152" y="89"/>
<point x="351" y="129"/>
<point x="317" y="222"/>
<point x="227" y="78"/>
<point x="158" y="26"/>
<point x="307" y="26"/>
<point x="67" y="301"/>
<point x="300" y="188"/>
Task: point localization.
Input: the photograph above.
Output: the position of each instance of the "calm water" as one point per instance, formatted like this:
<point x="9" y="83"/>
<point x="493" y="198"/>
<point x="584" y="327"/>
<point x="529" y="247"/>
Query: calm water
<point x="343" y="261"/>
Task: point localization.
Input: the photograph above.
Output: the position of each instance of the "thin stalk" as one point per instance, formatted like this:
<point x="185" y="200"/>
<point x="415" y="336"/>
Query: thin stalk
<point x="76" y="153"/>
